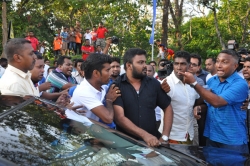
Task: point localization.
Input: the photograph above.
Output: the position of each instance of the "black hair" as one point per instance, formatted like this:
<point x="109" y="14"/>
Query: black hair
<point x="3" y="60"/>
<point x="247" y="59"/>
<point x="14" y="46"/>
<point x="196" y="56"/>
<point x="183" y="54"/>
<point x="60" y="60"/>
<point x="152" y="62"/>
<point x="130" y="54"/>
<point x="94" y="26"/>
<point x="101" y="23"/>
<point x="95" y="61"/>
<point x="55" y="61"/>
<point x="213" y="59"/>
<point x="86" y="40"/>
<point x="233" y="53"/>
<point x="39" y="55"/>
<point x="116" y="59"/>
<point x="162" y="60"/>
<point x="52" y="67"/>
<point x="77" y="61"/>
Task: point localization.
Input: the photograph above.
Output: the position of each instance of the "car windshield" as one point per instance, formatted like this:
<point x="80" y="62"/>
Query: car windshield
<point x="36" y="133"/>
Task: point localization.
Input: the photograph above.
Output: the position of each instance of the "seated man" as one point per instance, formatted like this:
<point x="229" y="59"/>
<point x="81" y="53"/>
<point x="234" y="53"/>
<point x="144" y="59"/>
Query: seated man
<point x="17" y="79"/>
<point x="92" y="91"/>
<point x="61" y="77"/>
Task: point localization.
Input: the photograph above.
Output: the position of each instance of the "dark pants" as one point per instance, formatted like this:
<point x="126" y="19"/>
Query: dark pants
<point x="56" y="53"/>
<point x="78" y="48"/>
<point x="240" y="148"/>
<point x="201" y="127"/>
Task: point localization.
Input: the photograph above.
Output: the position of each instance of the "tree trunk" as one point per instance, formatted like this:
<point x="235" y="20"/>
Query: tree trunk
<point x="244" y="25"/>
<point x="217" y="30"/>
<point x="4" y="26"/>
<point x="164" y="37"/>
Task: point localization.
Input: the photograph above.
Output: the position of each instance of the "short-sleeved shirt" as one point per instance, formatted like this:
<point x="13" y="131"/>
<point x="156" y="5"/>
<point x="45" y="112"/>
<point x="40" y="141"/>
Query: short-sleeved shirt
<point x="139" y="107"/>
<point x="16" y="82"/>
<point x="182" y="101"/>
<point x="101" y="32"/>
<point x="227" y="124"/>
<point x="34" y="42"/>
<point x="58" y="80"/>
<point x="85" y="94"/>
<point x="64" y="36"/>
<point x="93" y="35"/>
<point x="87" y="48"/>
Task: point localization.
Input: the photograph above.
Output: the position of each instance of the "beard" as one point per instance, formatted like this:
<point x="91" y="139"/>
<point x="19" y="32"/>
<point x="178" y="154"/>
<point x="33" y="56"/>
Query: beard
<point x="138" y="75"/>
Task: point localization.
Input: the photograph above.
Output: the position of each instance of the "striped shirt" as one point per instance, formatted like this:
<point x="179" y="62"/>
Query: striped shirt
<point x="227" y="124"/>
<point x="58" y="80"/>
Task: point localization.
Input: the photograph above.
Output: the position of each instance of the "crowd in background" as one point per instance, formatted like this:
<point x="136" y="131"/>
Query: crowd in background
<point x="189" y="105"/>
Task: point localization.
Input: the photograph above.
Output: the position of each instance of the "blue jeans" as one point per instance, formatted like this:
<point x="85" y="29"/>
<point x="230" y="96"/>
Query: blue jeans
<point x="240" y="148"/>
<point x="72" y="46"/>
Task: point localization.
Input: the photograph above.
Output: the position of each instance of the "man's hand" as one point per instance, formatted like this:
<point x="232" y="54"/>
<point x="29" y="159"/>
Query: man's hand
<point x="151" y="140"/>
<point x="165" y="86"/>
<point x="63" y="100"/>
<point x="197" y="111"/>
<point x="113" y="93"/>
<point x="44" y="86"/>
<point x="188" y="77"/>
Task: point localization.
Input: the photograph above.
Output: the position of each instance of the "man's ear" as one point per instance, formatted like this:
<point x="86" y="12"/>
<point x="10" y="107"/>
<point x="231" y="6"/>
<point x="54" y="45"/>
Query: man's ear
<point x="129" y="65"/>
<point x="17" y="58"/>
<point x="96" y="74"/>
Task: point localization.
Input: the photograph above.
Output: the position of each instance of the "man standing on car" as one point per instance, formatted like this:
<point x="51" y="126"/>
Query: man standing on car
<point x="17" y="78"/>
<point x="226" y="122"/>
<point x="134" y="109"/>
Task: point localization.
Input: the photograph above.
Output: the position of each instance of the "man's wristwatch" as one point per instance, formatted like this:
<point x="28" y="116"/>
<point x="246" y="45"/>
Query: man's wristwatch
<point x="165" y="138"/>
<point x="193" y="84"/>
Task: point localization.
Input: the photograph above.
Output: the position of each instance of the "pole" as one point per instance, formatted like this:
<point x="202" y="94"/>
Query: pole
<point x="152" y="58"/>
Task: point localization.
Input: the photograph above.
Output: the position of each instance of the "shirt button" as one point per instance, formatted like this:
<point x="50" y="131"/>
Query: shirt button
<point x="140" y="106"/>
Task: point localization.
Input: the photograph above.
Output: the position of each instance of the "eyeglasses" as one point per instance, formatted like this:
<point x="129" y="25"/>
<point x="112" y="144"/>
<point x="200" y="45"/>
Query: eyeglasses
<point x="193" y="65"/>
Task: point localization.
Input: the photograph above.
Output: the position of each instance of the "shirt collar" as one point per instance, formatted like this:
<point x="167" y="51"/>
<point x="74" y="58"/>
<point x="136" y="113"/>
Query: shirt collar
<point x="19" y="72"/>
<point x="230" y="79"/>
<point x="176" y="80"/>
<point x="93" y="89"/>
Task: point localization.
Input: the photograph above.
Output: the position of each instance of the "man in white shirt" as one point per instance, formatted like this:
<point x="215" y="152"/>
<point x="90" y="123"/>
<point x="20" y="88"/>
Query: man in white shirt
<point x="17" y="79"/>
<point x="210" y="67"/>
<point x="88" y="35"/>
<point x="78" y="74"/>
<point x="183" y="99"/>
<point x="91" y="93"/>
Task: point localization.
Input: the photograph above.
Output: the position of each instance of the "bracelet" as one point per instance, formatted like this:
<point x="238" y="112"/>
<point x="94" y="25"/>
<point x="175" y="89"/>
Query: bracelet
<point x="109" y="100"/>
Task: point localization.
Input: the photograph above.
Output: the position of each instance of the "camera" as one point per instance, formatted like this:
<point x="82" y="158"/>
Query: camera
<point x="167" y="70"/>
<point x="232" y="45"/>
<point x="115" y="39"/>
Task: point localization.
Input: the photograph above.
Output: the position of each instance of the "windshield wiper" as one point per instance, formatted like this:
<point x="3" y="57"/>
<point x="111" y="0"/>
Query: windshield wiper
<point x="26" y="102"/>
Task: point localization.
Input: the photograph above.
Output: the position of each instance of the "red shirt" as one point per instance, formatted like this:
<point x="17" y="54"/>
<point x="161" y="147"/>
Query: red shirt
<point x="34" y="42"/>
<point x="94" y="35"/>
<point x="101" y="32"/>
<point x="87" y="48"/>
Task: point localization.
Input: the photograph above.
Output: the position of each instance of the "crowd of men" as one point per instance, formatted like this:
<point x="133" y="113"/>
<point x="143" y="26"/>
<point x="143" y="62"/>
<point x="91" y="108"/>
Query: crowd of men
<point x="74" y="40"/>
<point x="189" y="106"/>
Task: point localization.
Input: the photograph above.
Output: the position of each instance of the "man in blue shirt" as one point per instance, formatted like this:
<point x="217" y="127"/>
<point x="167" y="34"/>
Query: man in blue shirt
<point x="226" y="122"/>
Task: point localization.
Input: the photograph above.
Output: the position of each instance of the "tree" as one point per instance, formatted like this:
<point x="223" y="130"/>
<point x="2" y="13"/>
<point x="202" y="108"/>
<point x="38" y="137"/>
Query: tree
<point x="4" y="26"/>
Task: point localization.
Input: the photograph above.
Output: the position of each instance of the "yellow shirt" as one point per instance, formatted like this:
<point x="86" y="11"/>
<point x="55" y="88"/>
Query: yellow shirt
<point x="16" y="82"/>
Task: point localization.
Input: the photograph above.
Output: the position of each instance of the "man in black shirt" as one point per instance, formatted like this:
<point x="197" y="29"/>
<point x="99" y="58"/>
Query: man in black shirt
<point x="134" y="109"/>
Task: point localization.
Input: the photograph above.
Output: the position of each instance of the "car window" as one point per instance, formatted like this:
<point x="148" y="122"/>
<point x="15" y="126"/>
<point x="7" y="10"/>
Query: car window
<point x="38" y="134"/>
